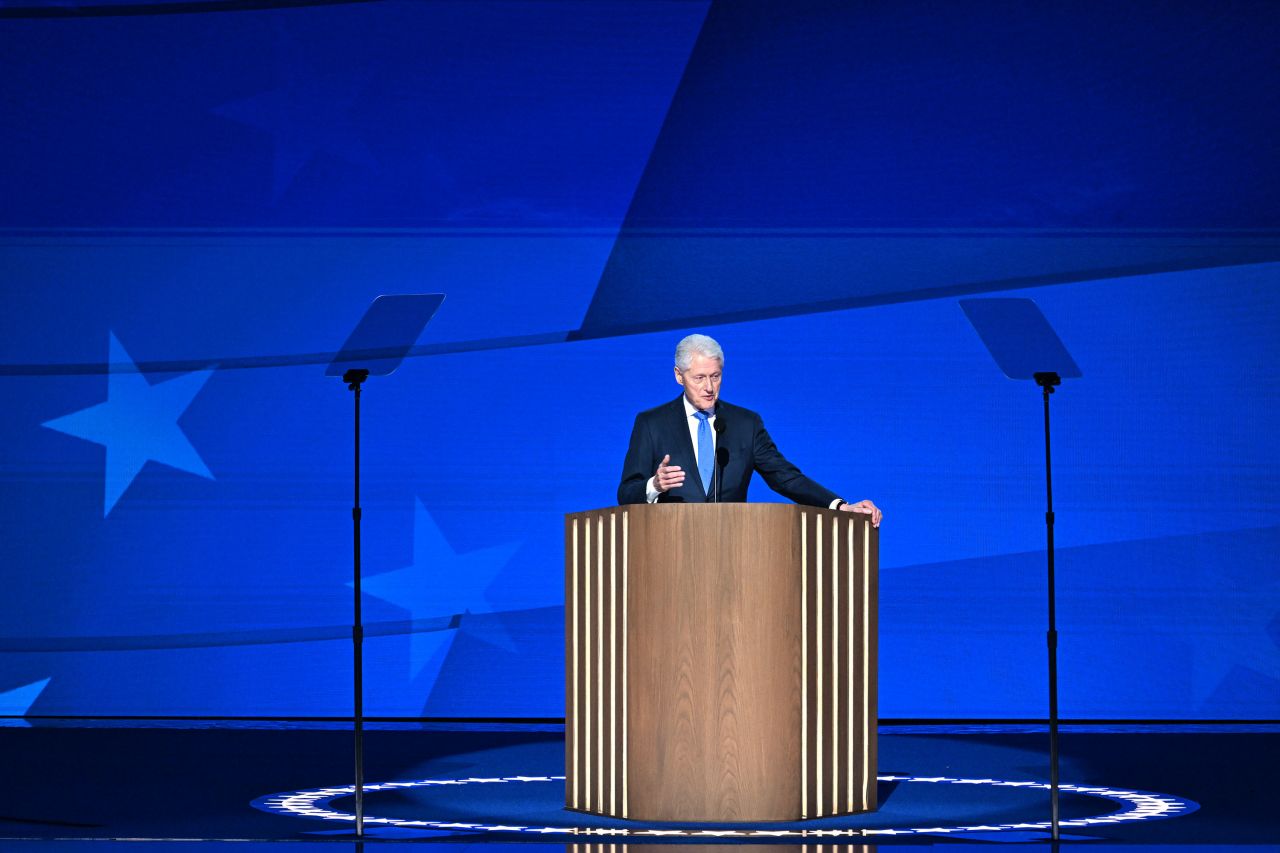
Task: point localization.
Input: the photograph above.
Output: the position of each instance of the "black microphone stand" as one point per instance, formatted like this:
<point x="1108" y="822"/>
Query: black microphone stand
<point x="1047" y="381"/>
<point x="1025" y="346"/>
<point x="354" y="379"/>
<point x="381" y="340"/>
<point x="717" y="469"/>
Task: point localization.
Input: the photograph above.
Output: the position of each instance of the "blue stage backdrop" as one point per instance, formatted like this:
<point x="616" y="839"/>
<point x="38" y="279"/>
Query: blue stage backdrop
<point x="195" y="202"/>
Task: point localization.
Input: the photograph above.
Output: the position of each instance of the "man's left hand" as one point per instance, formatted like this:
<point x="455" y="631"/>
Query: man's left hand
<point x="866" y="508"/>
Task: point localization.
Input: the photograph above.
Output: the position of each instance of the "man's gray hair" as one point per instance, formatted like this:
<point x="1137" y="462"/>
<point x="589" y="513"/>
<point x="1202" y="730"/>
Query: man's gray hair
<point x="697" y="345"/>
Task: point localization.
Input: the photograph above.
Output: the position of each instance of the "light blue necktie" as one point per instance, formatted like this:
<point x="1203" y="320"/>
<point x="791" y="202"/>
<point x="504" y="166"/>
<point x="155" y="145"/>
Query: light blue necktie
<point x="706" y="450"/>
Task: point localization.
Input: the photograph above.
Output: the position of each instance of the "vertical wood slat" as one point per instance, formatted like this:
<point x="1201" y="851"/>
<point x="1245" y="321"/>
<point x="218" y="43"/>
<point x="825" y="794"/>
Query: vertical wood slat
<point x="625" y="663"/>
<point x="838" y="652"/>
<point x="839" y="668"/>
<point x="854" y="793"/>
<point x="806" y="642"/>
<point x="821" y="693"/>
<point x="831" y="699"/>
<point x="864" y="716"/>
<point x="595" y="677"/>
<point x="572" y="699"/>
<point x="588" y="668"/>
<point x="824" y="725"/>
<point x="612" y="664"/>
<point x="870" y="654"/>
<point x="826" y="675"/>
<point x="601" y="632"/>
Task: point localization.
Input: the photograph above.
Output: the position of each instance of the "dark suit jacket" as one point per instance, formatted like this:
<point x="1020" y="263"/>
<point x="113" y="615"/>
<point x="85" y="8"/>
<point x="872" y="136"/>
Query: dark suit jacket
<point x="665" y="429"/>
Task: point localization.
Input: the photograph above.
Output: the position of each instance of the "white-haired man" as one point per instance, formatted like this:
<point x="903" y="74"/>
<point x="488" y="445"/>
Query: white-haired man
<point x="698" y="448"/>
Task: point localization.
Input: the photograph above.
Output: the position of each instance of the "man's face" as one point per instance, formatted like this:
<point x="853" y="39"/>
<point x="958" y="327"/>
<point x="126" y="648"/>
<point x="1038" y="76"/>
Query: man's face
<point x="701" y="382"/>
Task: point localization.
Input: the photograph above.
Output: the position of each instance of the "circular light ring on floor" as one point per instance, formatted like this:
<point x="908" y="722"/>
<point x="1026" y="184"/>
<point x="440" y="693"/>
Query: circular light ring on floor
<point x="1134" y="806"/>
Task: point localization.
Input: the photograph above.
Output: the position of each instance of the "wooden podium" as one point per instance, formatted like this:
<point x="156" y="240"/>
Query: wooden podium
<point x="720" y="662"/>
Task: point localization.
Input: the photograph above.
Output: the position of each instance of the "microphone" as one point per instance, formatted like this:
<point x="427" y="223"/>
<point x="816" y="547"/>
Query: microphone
<point x="722" y="459"/>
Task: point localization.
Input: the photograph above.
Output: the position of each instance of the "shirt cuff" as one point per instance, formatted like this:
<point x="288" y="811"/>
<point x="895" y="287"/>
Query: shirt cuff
<point x="835" y="504"/>
<point x="651" y="492"/>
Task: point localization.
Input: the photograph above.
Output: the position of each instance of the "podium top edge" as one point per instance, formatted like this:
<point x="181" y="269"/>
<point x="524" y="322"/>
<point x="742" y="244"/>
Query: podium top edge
<point x="737" y="506"/>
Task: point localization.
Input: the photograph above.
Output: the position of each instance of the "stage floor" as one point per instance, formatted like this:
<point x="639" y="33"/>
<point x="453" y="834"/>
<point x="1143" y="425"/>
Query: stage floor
<point x="259" y="783"/>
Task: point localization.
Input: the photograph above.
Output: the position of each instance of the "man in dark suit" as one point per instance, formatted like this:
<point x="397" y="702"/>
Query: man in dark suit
<point x="720" y="445"/>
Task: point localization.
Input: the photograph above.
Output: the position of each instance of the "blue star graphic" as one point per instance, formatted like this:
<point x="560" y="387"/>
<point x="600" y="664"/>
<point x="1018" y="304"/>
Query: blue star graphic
<point x="310" y="112"/>
<point x="439" y="583"/>
<point x="138" y="423"/>
<point x="1250" y="645"/>
<point x="18" y="701"/>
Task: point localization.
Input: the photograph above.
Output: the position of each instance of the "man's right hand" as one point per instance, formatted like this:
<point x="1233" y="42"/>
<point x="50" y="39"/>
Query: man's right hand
<point x="668" y="477"/>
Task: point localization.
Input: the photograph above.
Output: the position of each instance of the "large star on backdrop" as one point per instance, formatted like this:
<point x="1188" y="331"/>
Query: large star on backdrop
<point x="138" y="423"/>
<point x="439" y="583"/>
<point x="308" y="113"/>
<point x="18" y="701"/>
<point x="1252" y="645"/>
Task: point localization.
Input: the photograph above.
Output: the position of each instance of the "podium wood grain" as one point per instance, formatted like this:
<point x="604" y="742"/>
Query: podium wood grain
<point x="719" y="662"/>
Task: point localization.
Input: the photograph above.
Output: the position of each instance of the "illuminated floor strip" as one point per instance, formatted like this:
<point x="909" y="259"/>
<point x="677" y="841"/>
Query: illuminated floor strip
<point x="1134" y="806"/>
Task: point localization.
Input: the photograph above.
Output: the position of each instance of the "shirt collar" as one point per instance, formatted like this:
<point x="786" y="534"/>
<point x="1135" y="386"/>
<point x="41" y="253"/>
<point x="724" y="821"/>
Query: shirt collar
<point x="690" y="409"/>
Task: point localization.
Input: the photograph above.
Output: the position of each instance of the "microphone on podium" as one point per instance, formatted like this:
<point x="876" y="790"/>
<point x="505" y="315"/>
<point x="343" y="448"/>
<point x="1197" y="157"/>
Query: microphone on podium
<point x="722" y="459"/>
